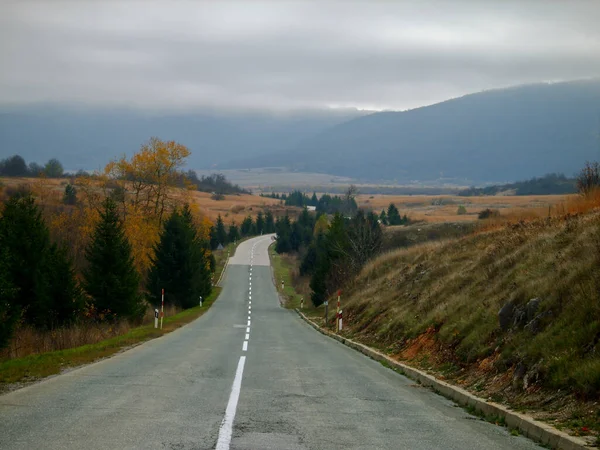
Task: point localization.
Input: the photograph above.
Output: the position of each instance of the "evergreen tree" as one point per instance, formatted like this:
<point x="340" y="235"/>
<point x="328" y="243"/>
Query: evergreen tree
<point x="205" y="260"/>
<point x="9" y="313"/>
<point x="234" y="233"/>
<point x="314" y="201"/>
<point x="111" y="279"/>
<point x="214" y="241"/>
<point x="260" y="223"/>
<point x="269" y="222"/>
<point x="383" y="217"/>
<point x="220" y="232"/>
<point x="70" y="196"/>
<point x="283" y="228"/>
<point x="180" y="265"/>
<point x="246" y="228"/>
<point x="393" y="216"/>
<point x="46" y="293"/>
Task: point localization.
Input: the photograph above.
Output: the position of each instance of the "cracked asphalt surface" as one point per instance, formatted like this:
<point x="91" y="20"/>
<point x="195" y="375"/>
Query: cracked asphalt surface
<point x="299" y="390"/>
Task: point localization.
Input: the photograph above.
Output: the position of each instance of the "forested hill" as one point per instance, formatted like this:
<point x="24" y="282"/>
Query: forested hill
<point x="501" y="135"/>
<point x="89" y="138"/>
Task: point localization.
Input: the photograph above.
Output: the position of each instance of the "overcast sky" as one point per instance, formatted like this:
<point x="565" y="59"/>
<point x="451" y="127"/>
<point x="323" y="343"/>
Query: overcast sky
<point x="282" y="55"/>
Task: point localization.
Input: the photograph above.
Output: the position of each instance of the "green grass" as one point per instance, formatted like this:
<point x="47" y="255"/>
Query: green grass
<point x="282" y="269"/>
<point x="42" y="365"/>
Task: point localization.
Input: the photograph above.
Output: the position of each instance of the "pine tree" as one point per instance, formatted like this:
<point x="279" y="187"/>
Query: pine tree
<point x="247" y="226"/>
<point x="233" y="234"/>
<point x="9" y="313"/>
<point x="383" y="217"/>
<point x="70" y="195"/>
<point x="179" y="265"/>
<point x="204" y="261"/>
<point x="269" y="223"/>
<point x="260" y="223"/>
<point x="314" y="201"/>
<point x="393" y="216"/>
<point x="220" y="232"/>
<point x="45" y="292"/>
<point x="111" y="279"/>
<point x="283" y="227"/>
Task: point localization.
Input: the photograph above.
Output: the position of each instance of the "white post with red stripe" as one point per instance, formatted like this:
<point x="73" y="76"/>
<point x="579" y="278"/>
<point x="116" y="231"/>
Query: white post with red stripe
<point x="337" y="315"/>
<point x="162" y="307"/>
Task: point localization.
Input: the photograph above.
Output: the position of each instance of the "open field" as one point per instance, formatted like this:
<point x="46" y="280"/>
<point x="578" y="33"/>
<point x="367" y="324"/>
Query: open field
<point x="232" y="207"/>
<point x="443" y="208"/>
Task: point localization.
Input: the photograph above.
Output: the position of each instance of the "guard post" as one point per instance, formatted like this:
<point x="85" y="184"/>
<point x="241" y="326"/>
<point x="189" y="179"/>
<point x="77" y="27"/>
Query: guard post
<point x="200" y="301"/>
<point x="156" y="318"/>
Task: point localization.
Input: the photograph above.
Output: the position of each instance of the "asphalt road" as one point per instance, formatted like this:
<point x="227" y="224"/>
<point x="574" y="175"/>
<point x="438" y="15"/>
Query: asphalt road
<point x="246" y="375"/>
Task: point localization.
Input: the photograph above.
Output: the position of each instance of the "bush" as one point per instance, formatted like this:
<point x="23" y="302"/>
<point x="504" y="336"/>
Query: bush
<point x="589" y="178"/>
<point x="488" y="213"/>
<point x="217" y="196"/>
<point x="461" y="210"/>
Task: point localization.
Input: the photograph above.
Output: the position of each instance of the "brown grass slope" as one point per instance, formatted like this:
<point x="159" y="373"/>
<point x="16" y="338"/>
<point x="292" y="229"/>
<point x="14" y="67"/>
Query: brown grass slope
<point x="437" y="305"/>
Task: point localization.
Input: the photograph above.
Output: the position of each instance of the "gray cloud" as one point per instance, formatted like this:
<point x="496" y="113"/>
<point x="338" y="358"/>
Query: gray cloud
<point x="284" y="55"/>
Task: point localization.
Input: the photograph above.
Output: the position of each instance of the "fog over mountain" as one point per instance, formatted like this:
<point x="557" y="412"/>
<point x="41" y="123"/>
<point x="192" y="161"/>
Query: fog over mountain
<point x="500" y="135"/>
<point x="89" y="138"/>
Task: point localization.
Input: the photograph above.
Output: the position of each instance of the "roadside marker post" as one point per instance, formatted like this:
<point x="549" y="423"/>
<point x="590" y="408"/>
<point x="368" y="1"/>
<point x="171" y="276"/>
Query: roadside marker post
<point x="200" y="301"/>
<point x="282" y="285"/>
<point x="326" y="303"/>
<point x="156" y="318"/>
<point x="340" y="320"/>
<point x="301" y="302"/>
<point x="162" y="307"/>
<point x="339" y="293"/>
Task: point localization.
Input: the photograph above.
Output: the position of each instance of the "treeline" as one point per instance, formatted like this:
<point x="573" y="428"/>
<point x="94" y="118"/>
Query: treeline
<point x="220" y="234"/>
<point x="550" y="184"/>
<point x="39" y="286"/>
<point x="15" y="166"/>
<point x="391" y="216"/>
<point x="326" y="204"/>
<point x="107" y="255"/>
<point x="332" y="252"/>
<point x="216" y="183"/>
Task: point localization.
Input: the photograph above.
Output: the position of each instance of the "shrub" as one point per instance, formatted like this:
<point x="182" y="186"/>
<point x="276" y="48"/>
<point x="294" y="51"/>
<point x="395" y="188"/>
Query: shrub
<point x="216" y="196"/>
<point x="461" y="210"/>
<point x="589" y="178"/>
<point x="488" y="213"/>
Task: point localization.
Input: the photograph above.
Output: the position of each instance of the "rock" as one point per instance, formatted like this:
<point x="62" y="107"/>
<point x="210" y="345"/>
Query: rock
<point x="505" y="315"/>
<point x="535" y="325"/>
<point x="519" y="317"/>
<point x="531" y="308"/>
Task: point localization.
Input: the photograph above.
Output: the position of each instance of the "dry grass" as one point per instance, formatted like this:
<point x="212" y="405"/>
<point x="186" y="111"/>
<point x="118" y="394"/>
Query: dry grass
<point x="443" y="208"/>
<point x="437" y="304"/>
<point x="38" y="365"/>
<point x="29" y="341"/>
<point x="232" y="207"/>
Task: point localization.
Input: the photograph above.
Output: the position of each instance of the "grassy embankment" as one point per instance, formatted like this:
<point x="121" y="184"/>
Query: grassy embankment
<point x="436" y="306"/>
<point x="41" y="365"/>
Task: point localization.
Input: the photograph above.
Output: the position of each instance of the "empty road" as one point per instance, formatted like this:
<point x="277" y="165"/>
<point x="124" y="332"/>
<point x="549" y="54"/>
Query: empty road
<point x="246" y="375"/>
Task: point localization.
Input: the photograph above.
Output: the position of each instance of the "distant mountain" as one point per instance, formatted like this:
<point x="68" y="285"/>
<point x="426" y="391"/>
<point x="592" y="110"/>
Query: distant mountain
<point x="500" y="135"/>
<point x="89" y="138"/>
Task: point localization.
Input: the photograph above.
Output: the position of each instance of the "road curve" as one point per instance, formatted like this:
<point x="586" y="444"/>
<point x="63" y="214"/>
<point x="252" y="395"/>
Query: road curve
<point x="246" y="375"/>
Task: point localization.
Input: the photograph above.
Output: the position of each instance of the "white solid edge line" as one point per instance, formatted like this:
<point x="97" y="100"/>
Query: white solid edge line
<point x="226" y="429"/>
<point x="245" y="346"/>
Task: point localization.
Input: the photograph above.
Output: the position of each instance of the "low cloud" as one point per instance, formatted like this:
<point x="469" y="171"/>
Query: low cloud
<point x="284" y="55"/>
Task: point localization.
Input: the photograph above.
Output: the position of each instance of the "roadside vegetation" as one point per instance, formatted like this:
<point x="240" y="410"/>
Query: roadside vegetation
<point x="90" y="264"/>
<point x="508" y="307"/>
